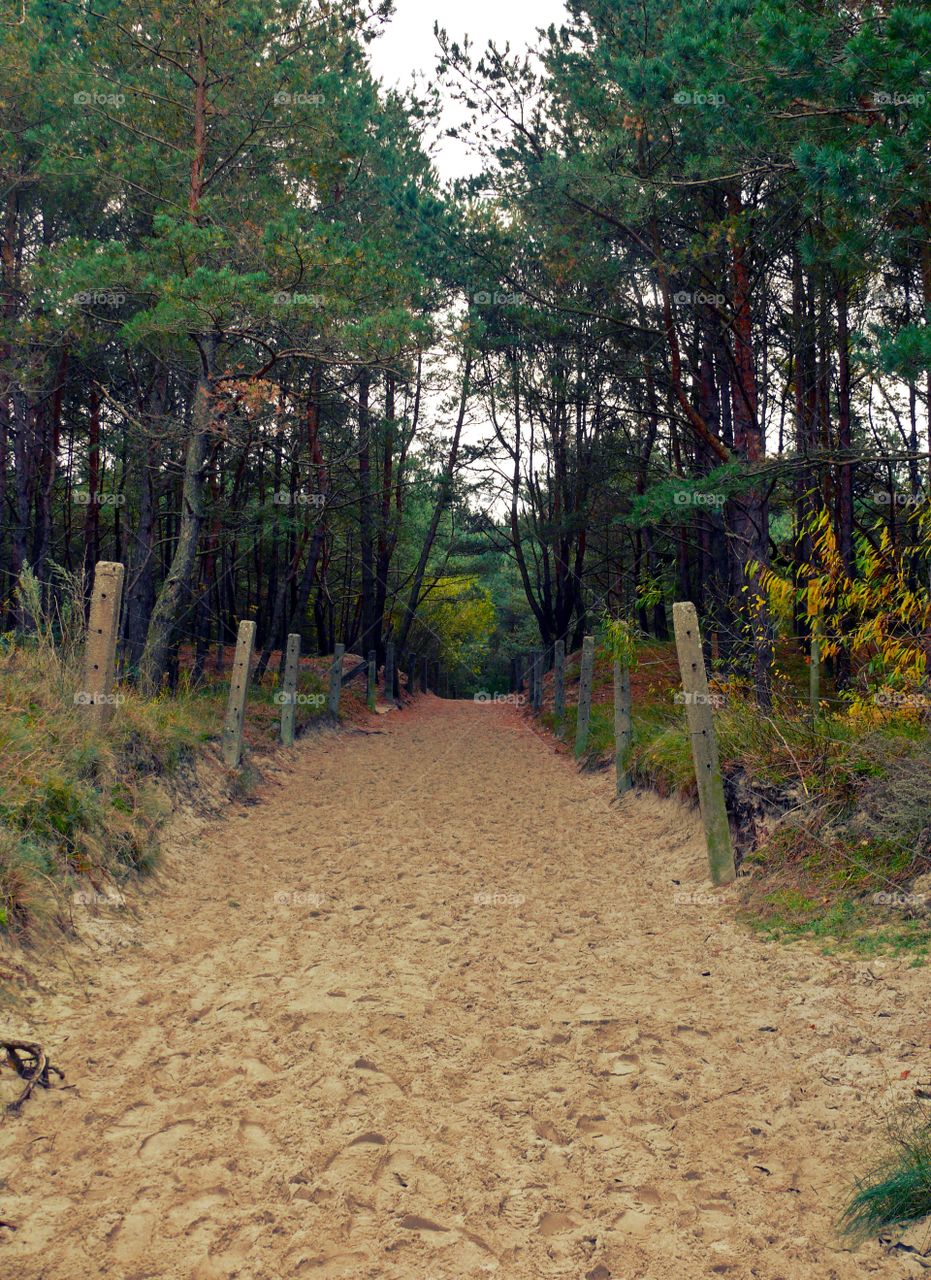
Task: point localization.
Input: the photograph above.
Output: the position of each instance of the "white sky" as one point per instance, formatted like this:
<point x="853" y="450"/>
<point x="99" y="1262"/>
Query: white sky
<point x="407" y="46"/>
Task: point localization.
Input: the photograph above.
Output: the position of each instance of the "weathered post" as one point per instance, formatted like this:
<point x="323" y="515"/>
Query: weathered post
<point x="100" y="649"/>
<point x="239" y="689"/>
<point x="424" y="677"/>
<point x="288" y="695"/>
<point x="389" y="671"/>
<point x="537" y="702"/>
<point x="814" y="669"/>
<point x="336" y="679"/>
<point x="559" y="685"/>
<point x="372" y="688"/>
<point x="622" y="726"/>
<point x="411" y="673"/>
<point x="586" y="676"/>
<point x="704" y="745"/>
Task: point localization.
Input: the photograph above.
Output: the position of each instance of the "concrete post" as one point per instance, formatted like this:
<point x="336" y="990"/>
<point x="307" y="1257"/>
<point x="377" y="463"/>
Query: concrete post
<point x="239" y="690"/>
<point x="704" y="745"/>
<point x="292" y="661"/>
<point x="100" y="649"/>
<point x="586" y="677"/>
<point x="336" y="679"/>
<point x="559" y="685"/>
<point x="622" y="727"/>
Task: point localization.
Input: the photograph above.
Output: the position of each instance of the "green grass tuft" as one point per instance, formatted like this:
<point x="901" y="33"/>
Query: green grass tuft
<point x="896" y="1194"/>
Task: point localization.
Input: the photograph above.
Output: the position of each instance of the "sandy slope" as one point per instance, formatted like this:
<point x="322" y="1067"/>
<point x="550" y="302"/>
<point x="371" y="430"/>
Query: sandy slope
<point x="318" y="1053"/>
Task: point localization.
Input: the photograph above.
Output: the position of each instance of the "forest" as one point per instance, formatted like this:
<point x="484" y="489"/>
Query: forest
<point x="665" y="344"/>
<point x="671" y="344"/>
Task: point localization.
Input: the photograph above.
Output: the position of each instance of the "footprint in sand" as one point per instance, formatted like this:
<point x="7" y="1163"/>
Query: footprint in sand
<point x="165" y="1141"/>
<point x="132" y="1238"/>
<point x="255" y="1136"/>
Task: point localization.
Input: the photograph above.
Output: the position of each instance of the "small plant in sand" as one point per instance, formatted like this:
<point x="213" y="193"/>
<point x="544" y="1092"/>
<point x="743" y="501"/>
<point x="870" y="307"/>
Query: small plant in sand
<point x="896" y="1194"/>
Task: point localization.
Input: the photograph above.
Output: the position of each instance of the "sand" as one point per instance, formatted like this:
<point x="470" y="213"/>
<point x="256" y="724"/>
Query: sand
<point x="434" y="1008"/>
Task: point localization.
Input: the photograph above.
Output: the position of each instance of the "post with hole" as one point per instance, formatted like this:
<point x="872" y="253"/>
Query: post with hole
<point x="704" y="745"/>
<point x="559" y="685"/>
<point x="586" y="677"/>
<point x="537" y="681"/>
<point x="336" y="679"/>
<point x="100" y="650"/>
<point x="814" y="669"/>
<point x="239" y="690"/>
<point x="622" y="726"/>
<point x="292" y="662"/>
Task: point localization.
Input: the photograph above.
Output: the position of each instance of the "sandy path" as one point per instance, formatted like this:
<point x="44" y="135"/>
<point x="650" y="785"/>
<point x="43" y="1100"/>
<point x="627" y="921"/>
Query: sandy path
<point x="320" y="1055"/>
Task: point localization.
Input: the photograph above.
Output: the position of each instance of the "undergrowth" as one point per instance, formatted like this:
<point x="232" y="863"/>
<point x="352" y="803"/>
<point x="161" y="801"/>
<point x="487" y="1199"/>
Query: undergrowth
<point x="832" y="818"/>
<point x="76" y="802"/>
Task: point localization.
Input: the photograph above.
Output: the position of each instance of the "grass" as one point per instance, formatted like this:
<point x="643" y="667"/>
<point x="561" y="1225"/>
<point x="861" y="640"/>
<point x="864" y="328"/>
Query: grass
<point x="831" y="815"/>
<point x="77" y="803"/>
<point x="897" y="1193"/>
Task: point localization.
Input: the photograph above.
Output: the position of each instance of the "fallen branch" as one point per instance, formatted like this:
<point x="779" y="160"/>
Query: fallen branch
<point x="33" y="1072"/>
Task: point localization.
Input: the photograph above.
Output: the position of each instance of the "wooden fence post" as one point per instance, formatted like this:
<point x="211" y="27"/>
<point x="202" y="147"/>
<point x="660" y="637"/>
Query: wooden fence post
<point x="239" y="690"/>
<point x="372" y="688"/>
<point x="411" y="674"/>
<point x="389" y="671"/>
<point x="424" y="677"/>
<point x="537" y="702"/>
<point x="559" y="685"/>
<point x="100" y="648"/>
<point x="622" y="727"/>
<point x="288" y="693"/>
<point x="704" y="746"/>
<point x="586" y="676"/>
<point x="336" y="679"/>
<point x="814" y="669"/>
<point x="436" y="678"/>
